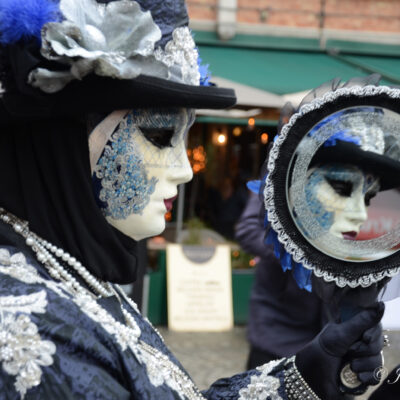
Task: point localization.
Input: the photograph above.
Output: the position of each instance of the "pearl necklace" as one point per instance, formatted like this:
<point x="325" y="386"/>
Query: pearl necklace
<point x="47" y="254"/>
<point x="156" y="362"/>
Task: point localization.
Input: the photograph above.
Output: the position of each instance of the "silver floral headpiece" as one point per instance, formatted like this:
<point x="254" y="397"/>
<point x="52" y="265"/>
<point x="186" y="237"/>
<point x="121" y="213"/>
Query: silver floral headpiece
<point x="116" y="40"/>
<point x="361" y="127"/>
<point x="371" y="136"/>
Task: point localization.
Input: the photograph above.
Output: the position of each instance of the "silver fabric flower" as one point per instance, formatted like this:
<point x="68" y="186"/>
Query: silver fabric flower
<point x="115" y="40"/>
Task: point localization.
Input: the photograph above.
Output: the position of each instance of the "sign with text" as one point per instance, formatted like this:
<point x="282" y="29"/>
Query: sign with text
<point x="199" y="287"/>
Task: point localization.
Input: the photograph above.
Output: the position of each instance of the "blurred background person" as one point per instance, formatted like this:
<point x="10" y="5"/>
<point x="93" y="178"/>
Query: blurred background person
<point x="282" y="317"/>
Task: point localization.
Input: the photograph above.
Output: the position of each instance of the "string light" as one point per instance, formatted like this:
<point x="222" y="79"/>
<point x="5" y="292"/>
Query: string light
<point x="237" y="131"/>
<point x="264" y="138"/>
<point x="251" y="121"/>
<point x="168" y="216"/>
<point x="221" y="138"/>
<point x="197" y="158"/>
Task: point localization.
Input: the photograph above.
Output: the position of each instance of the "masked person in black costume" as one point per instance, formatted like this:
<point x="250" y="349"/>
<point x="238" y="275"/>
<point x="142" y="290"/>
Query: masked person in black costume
<point x="81" y="182"/>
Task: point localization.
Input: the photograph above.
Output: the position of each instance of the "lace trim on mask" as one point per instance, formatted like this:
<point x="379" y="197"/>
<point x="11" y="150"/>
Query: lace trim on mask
<point x="269" y="199"/>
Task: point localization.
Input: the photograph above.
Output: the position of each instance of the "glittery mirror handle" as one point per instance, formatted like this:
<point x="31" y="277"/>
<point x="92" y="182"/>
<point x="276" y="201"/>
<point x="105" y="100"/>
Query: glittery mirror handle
<point x="349" y="382"/>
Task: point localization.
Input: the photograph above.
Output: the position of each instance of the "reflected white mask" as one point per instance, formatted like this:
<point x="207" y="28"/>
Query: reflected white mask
<point x="141" y="167"/>
<point x="338" y="196"/>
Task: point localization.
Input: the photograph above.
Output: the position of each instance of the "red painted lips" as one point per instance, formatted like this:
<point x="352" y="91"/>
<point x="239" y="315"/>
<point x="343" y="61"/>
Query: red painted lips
<point x="168" y="203"/>
<point x="349" y="235"/>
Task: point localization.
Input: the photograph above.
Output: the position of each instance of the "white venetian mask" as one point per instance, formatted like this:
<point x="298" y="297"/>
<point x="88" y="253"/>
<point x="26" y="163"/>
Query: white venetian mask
<point x="338" y="195"/>
<point x="137" y="175"/>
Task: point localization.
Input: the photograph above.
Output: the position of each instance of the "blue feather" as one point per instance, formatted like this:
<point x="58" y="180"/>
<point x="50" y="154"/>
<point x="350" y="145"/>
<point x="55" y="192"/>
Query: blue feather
<point x="205" y="74"/>
<point x="24" y="19"/>
<point x="254" y="186"/>
<point x="301" y="275"/>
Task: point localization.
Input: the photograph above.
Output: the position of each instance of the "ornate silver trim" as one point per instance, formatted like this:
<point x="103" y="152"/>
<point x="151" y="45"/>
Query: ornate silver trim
<point x="269" y="201"/>
<point x="263" y="386"/>
<point x="296" y="386"/>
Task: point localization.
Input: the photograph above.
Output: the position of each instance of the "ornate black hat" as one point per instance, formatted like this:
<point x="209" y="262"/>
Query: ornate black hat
<point x="363" y="136"/>
<point x="71" y="57"/>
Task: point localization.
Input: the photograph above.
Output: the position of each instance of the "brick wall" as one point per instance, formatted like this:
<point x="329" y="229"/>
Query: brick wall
<point x="362" y="15"/>
<point x="377" y="15"/>
<point x="202" y="9"/>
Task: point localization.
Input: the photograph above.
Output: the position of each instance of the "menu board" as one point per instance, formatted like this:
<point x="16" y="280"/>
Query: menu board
<point x="199" y="287"/>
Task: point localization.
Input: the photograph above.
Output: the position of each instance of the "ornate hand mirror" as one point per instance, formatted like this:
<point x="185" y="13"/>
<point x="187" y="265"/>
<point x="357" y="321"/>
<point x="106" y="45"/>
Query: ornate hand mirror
<point x="332" y="192"/>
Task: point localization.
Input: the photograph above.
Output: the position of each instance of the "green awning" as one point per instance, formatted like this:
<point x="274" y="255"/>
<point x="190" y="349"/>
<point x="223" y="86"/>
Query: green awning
<point x="388" y="67"/>
<point x="273" y="70"/>
<point x="234" y="121"/>
<point x="275" y="64"/>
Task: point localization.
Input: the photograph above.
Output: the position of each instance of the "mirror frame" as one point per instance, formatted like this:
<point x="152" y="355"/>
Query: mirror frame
<point x="343" y="273"/>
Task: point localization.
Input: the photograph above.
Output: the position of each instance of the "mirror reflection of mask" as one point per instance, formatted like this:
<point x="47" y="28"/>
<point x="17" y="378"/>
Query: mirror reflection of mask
<point x="140" y="168"/>
<point x="338" y="195"/>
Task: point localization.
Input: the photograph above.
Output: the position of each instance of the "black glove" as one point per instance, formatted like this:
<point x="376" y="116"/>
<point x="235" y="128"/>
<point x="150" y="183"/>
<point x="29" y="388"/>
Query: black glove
<point x="390" y="388"/>
<point x="358" y="340"/>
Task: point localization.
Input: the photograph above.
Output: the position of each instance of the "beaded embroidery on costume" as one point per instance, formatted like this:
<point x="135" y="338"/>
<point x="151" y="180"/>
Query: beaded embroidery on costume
<point x="22" y="351"/>
<point x="263" y="386"/>
<point x="160" y="369"/>
<point x="17" y="267"/>
<point x="181" y="51"/>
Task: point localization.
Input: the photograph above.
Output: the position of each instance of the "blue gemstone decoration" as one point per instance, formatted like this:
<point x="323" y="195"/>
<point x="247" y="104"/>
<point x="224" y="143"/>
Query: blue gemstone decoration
<point x="125" y="185"/>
